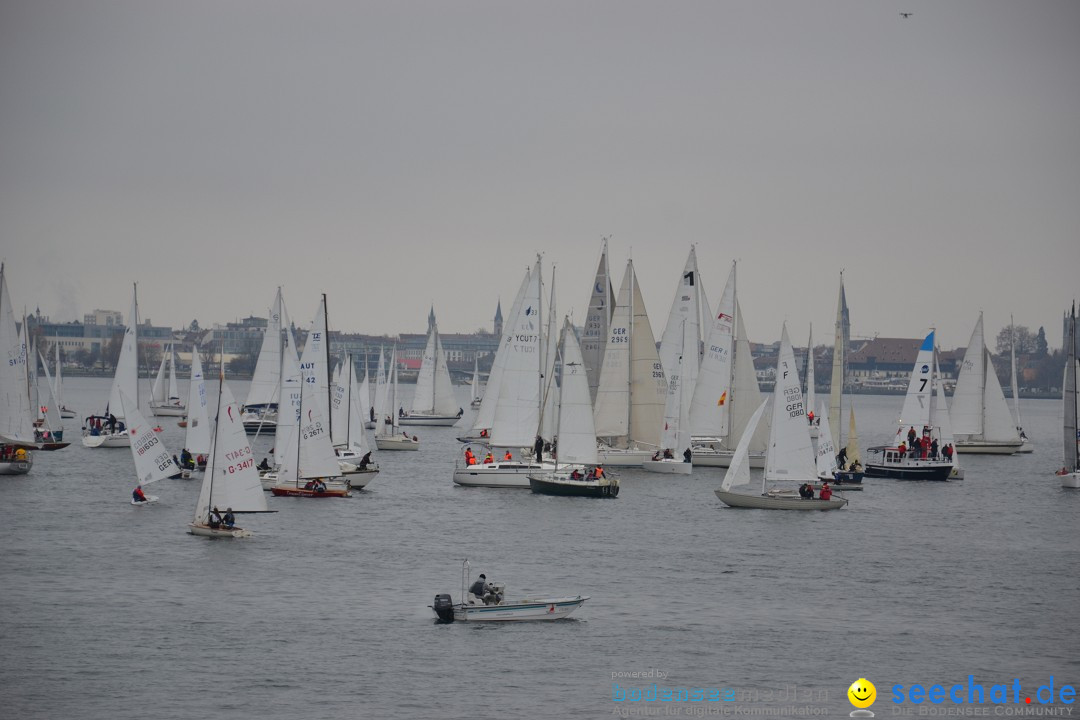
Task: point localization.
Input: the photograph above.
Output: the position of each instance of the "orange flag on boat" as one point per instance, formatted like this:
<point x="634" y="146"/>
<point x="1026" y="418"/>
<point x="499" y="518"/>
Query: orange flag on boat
<point x="722" y="399"/>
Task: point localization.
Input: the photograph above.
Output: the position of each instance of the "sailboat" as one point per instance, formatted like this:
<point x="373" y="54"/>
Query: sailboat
<point x="1070" y="399"/>
<point x="630" y="398"/>
<point x="889" y="461"/>
<point x="16" y="415"/>
<point x="387" y="436"/>
<point x="197" y="431"/>
<point x="348" y="434"/>
<point x="152" y="459"/>
<point x="790" y="456"/>
<point x="477" y="398"/>
<point x="231" y="481"/>
<point x="381" y="388"/>
<point x="58" y="388"/>
<point x="165" y="400"/>
<point x="981" y="419"/>
<point x="107" y="430"/>
<point x="597" y="321"/>
<point x="727" y="391"/>
<point x="511" y="416"/>
<point x="939" y="418"/>
<point x="1025" y="445"/>
<point x="51" y="433"/>
<point x="676" y="431"/>
<point x="576" y="433"/>
<point x="811" y="394"/>
<point x="261" y="407"/>
<point x="827" y="456"/>
<point x="433" y="402"/>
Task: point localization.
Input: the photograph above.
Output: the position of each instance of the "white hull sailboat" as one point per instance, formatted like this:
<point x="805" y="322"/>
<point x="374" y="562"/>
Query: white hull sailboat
<point x="98" y="431"/>
<point x="1026" y="445"/>
<point x="261" y="407"/>
<point x="790" y="457"/>
<point x="16" y="415"/>
<point x="165" y="399"/>
<point x="231" y="483"/>
<point x="981" y="419"/>
<point x="630" y="397"/>
<point x="433" y="401"/>
<point x="349" y="436"/>
<point x="388" y="437"/>
<point x="727" y="391"/>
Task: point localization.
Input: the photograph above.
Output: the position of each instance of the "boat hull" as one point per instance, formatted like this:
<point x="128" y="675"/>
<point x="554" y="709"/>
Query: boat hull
<point x="986" y="447"/>
<point x="428" y="420"/>
<point x="149" y="500"/>
<point x="116" y="440"/>
<point x="168" y="410"/>
<point x="396" y="443"/>
<point x="519" y="610"/>
<point x="914" y="471"/>
<point x="207" y="531"/>
<point x="1071" y="480"/>
<point x="1026" y="446"/>
<point x="623" y="458"/>
<point x="294" y="491"/>
<point x="722" y="458"/>
<point x="670" y="467"/>
<point x="358" y="478"/>
<point x="778" y="501"/>
<point x="606" y="488"/>
<point x="16" y="467"/>
<point x="503" y="474"/>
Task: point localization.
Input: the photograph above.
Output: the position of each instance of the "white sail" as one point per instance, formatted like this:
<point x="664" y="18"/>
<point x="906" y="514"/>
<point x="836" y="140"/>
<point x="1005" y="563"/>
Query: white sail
<point x="58" y="388"/>
<point x="267" y="378"/>
<point x="382" y="386"/>
<point x="745" y="391"/>
<point x="231" y="480"/>
<point x="475" y="379"/>
<point x="597" y="321"/>
<point x="288" y="414"/>
<point x="197" y="438"/>
<point x="126" y="379"/>
<point x="434" y="393"/>
<point x="841" y="339"/>
<point x="916" y="410"/>
<point x="517" y="412"/>
<point x="389" y="407"/>
<point x="676" y="432"/>
<point x="1070" y="399"/>
<point x="363" y="400"/>
<point x="576" y="431"/>
<point x="159" y="390"/>
<point x="709" y="408"/>
<point x="355" y="436"/>
<point x="810" y="381"/>
<point x="445" y="402"/>
<point x="940" y="416"/>
<point x="174" y="391"/>
<point x="309" y="453"/>
<point x="549" y="390"/>
<point x="738" y="471"/>
<point x="1014" y="380"/>
<point x="153" y="461"/>
<point x="314" y="364"/>
<point x="683" y="319"/>
<point x="648" y="388"/>
<point x="485" y="416"/>
<point x="51" y="408"/>
<point x="791" y="453"/>
<point x="611" y="412"/>
<point x="979" y="410"/>
<point x="854" y="453"/>
<point x="16" y="412"/>
<point x="826" y="451"/>
<point x="339" y="406"/>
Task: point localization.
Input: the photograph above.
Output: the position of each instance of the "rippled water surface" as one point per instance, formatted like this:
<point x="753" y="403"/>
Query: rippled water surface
<point x="112" y="611"/>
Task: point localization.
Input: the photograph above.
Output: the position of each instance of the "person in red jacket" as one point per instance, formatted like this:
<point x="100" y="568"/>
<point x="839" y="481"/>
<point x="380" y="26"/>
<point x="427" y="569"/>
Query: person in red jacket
<point x="826" y="491"/>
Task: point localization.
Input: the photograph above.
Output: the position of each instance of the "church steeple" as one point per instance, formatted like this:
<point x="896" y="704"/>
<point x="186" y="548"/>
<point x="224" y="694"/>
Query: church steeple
<point x="431" y="319"/>
<point x="498" y="318"/>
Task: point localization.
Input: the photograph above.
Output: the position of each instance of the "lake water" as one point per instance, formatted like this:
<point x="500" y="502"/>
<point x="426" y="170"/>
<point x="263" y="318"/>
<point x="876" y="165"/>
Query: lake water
<point x="112" y="611"/>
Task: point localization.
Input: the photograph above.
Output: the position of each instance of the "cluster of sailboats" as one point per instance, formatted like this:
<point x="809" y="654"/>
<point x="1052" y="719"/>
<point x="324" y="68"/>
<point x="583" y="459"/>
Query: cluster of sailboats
<point x="557" y="410"/>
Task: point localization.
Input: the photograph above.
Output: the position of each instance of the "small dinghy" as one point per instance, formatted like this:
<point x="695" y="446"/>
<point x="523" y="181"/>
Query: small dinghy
<point x="490" y="605"/>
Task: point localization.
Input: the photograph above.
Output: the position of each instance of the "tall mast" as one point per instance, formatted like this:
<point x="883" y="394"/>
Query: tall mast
<point x="630" y="394"/>
<point x="326" y="349"/>
<point x="217" y="428"/>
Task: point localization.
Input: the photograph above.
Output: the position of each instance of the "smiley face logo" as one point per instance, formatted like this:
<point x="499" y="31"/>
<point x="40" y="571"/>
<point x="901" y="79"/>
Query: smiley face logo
<point x="862" y="693"/>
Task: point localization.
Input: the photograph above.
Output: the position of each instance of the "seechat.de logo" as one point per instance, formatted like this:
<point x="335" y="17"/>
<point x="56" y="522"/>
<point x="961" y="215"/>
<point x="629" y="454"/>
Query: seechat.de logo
<point x="862" y="695"/>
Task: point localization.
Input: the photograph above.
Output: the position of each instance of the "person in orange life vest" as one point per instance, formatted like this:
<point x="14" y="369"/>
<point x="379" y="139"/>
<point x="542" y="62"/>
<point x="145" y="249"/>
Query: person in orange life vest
<point x="598" y="472"/>
<point x="470" y="459"/>
<point x="810" y="417"/>
<point x="137" y="494"/>
<point x="508" y="456"/>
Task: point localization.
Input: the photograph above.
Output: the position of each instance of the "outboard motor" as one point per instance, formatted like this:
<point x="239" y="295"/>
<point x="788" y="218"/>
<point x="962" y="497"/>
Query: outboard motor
<point x="444" y="607"/>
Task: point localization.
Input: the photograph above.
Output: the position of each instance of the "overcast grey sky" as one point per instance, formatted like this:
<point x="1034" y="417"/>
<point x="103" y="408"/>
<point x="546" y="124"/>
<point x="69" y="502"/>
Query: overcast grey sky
<point x="398" y="154"/>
